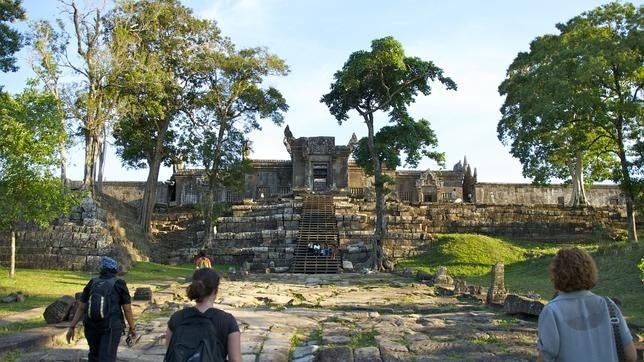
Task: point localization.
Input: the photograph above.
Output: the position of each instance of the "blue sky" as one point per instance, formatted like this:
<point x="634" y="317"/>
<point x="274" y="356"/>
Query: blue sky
<point x="472" y="41"/>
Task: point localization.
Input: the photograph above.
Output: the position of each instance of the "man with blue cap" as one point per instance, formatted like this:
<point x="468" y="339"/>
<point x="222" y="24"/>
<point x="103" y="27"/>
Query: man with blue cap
<point x="102" y="305"/>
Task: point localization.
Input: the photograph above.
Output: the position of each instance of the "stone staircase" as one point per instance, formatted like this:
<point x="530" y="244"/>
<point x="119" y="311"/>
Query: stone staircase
<point x="318" y="225"/>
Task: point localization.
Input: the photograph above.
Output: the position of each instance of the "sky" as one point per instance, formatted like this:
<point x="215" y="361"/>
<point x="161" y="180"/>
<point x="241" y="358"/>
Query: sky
<point x="474" y="42"/>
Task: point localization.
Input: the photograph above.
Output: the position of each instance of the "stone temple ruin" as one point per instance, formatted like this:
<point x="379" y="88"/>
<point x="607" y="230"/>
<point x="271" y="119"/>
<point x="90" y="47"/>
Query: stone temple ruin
<point x="318" y="197"/>
<point x="318" y="165"/>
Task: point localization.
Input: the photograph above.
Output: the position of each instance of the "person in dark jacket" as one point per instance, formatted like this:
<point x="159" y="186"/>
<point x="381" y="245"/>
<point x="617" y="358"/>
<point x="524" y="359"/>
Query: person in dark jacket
<point x="203" y="290"/>
<point x="103" y="337"/>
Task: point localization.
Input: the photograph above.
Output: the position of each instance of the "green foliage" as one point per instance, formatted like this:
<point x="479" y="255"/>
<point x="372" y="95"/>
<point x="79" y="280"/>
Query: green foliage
<point x="385" y="80"/>
<point x="136" y="141"/>
<point x="466" y="255"/>
<point x="413" y="138"/>
<point x="42" y="287"/>
<point x="21" y="326"/>
<point x="382" y="79"/>
<point x="10" y="39"/>
<point x="641" y="268"/>
<point x="526" y="266"/>
<point x="31" y="131"/>
<point x="363" y="339"/>
<point x="577" y="95"/>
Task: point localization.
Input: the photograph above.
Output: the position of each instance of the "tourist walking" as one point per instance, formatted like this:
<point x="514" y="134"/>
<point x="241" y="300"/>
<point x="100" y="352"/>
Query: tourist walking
<point x="202" y="261"/>
<point x="103" y="303"/>
<point x="203" y="332"/>
<point x="577" y="325"/>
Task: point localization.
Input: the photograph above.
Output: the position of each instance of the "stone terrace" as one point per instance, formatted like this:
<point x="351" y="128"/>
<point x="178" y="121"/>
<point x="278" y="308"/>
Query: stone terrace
<point x="344" y="317"/>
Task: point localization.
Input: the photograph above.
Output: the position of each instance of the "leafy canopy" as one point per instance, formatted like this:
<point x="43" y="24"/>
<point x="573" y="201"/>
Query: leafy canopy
<point x="10" y="39"/>
<point x="579" y="93"/>
<point x="382" y="79"/>
<point x="414" y="139"/>
<point x="30" y="130"/>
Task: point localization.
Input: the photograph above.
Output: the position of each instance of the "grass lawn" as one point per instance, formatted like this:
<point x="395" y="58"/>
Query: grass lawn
<point x="471" y="257"/>
<point x="42" y="287"/>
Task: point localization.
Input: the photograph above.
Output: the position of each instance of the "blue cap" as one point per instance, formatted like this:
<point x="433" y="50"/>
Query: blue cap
<point x="109" y="263"/>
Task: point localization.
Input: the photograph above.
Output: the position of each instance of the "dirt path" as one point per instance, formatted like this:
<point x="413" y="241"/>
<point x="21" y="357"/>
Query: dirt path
<point x="349" y="317"/>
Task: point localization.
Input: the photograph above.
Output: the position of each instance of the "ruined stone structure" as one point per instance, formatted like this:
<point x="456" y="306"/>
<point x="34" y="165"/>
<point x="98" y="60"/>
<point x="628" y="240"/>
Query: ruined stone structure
<point x="266" y="220"/>
<point x="319" y="165"/>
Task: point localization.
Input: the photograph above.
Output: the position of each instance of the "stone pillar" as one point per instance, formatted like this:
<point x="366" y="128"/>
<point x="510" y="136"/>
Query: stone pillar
<point x="497" y="292"/>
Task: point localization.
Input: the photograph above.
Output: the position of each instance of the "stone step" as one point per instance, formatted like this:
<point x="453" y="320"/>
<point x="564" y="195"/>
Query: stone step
<point x="31" y="339"/>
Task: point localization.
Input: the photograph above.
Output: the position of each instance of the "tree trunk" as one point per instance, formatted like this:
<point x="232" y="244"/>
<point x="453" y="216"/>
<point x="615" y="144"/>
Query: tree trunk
<point x="578" y="197"/>
<point x="149" y="195"/>
<point x="63" y="164"/>
<point x="88" y="169"/>
<point x="12" y="253"/>
<point x="377" y="252"/>
<point x="92" y="144"/>
<point x="627" y="184"/>
<point x="207" y="213"/>
<point x="101" y="160"/>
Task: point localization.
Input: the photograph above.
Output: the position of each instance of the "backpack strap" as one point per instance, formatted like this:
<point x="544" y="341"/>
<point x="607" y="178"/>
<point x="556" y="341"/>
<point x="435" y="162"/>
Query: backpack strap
<point x="615" y="323"/>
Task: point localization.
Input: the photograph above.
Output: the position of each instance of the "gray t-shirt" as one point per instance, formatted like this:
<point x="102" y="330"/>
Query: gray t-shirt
<point x="576" y="327"/>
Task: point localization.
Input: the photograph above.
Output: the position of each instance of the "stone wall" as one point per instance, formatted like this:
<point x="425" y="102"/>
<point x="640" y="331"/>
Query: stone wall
<point x="405" y="236"/>
<point x="259" y="233"/>
<point x="525" y="194"/>
<point x="74" y="244"/>
<point x="66" y="247"/>
<point x="547" y="223"/>
<point x="131" y="193"/>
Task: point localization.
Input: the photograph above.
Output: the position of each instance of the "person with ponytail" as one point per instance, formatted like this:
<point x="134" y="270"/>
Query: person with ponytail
<point x="224" y="339"/>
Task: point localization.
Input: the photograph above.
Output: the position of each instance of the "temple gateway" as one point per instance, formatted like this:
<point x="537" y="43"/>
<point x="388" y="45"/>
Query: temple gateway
<point x="318" y="165"/>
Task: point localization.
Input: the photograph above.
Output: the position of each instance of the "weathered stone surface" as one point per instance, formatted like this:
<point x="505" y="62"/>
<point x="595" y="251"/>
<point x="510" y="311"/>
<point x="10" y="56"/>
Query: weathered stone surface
<point x="57" y="311"/>
<point x="335" y="354"/>
<point x="347" y="265"/>
<point x="13" y="297"/>
<point x="497" y="292"/>
<point x="516" y="304"/>
<point x="303" y="351"/>
<point x="444" y="291"/>
<point x="367" y="354"/>
<point x="442" y="278"/>
<point x="143" y="294"/>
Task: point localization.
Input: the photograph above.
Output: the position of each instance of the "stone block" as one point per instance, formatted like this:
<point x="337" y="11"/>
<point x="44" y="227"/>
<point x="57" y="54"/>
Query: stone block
<point x="57" y="311"/>
<point x="367" y="354"/>
<point x="143" y="294"/>
<point x="335" y="354"/>
<point x="516" y="304"/>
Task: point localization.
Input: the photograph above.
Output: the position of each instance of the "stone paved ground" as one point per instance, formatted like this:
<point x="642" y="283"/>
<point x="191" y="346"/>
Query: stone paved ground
<point x="348" y="317"/>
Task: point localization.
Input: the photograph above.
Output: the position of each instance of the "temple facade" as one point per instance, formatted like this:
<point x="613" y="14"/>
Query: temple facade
<point x="318" y="165"/>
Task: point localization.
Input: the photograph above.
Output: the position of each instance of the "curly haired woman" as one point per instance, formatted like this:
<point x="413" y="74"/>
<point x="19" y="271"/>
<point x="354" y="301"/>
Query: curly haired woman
<point x="576" y="325"/>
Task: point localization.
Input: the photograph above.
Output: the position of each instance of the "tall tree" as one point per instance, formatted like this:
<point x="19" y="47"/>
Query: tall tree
<point x="156" y="44"/>
<point x="227" y="107"/>
<point x="49" y="47"/>
<point x="96" y="103"/>
<point x="544" y="107"/>
<point x="590" y="102"/>
<point x="381" y="80"/>
<point x="30" y="130"/>
<point x="10" y="39"/>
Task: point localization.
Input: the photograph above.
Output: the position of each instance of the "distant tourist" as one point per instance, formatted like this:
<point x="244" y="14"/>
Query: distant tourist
<point x="100" y="307"/>
<point x="576" y="325"/>
<point x="202" y="261"/>
<point x="203" y="332"/>
<point x="453" y="194"/>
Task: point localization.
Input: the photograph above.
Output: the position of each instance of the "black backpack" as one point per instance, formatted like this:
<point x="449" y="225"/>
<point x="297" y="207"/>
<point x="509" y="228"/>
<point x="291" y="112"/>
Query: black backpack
<point x="100" y="304"/>
<point x="195" y="339"/>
